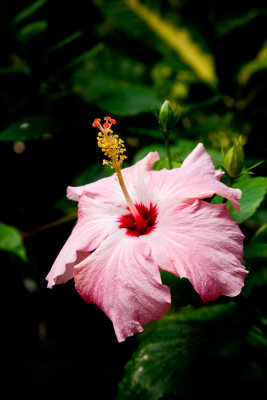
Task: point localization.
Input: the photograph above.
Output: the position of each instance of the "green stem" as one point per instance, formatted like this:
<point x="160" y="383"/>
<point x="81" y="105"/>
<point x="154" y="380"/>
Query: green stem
<point x="167" y="146"/>
<point x="52" y="224"/>
<point x="230" y="181"/>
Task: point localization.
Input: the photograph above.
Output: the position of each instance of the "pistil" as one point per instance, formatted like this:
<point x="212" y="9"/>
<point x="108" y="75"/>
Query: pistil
<point x="114" y="149"/>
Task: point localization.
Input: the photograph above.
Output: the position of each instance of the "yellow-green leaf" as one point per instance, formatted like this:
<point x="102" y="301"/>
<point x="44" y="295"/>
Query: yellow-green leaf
<point x="180" y="40"/>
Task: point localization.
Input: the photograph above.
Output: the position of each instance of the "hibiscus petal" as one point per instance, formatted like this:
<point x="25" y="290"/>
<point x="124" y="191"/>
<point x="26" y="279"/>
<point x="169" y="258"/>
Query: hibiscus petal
<point x="96" y="221"/>
<point x="196" y="179"/>
<point x="122" y="279"/>
<point x="203" y="244"/>
<point x="108" y="189"/>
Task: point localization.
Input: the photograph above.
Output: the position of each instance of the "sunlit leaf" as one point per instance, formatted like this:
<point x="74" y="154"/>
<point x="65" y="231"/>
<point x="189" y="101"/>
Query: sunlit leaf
<point x="11" y="241"/>
<point x="253" y="193"/>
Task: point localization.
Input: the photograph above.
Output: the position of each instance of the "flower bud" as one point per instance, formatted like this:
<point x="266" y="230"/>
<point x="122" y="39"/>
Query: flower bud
<point x="234" y="159"/>
<point x="167" y="117"/>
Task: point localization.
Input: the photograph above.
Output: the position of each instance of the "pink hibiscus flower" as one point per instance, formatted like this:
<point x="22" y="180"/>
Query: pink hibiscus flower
<point x="123" y="237"/>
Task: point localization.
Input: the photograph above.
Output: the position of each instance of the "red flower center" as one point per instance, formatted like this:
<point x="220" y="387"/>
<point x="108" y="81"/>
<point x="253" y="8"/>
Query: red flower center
<point x="144" y="225"/>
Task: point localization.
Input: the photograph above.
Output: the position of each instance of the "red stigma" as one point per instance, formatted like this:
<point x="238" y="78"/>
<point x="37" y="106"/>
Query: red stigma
<point x="107" y="124"/>
<point x="142" y="227"/>
<point x="96" y="122"/>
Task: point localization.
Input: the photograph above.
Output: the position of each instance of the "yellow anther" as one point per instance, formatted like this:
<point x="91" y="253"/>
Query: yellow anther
<point x="113" y="147"/>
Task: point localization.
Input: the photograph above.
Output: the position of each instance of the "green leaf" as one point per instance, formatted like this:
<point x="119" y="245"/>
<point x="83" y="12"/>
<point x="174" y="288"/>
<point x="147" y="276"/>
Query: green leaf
<point x="257" y="341"/>
<point x="66" y="41"/>
<point x="66" y="206"/>
<point x="257" y="277"/>
<point x="258" y="64"/>
<point x="11" y="240"/>
<point x="260" y="216"/>
<point x="247" y="169"/>
<point x="17" y="66"/>
<point x="204" y="104"/>
<point x="152" y="371"/>
<point x="260" y="235"/>
<point x="32" y="29"/>
<point x="253" y="193"/>
<point x="144" y="22"/>
<point x="255" y="250"/>
<point x="183" y="148"/>
<point x="257" y="247"/>
<point x="140" y="154"/>
<point x="112" y="93"/>
<point x="93" y="173"/>
<point x="153" y="133"/>
<point x="226" y="26"/>
<point x="167" y="351"/>
<point x="129" y="101"/>
<point x="29" y="128"/>
<point x="28" y="11"/>
<point x="164" y="163"/>
<point x="179" y="151"/>
<point x="87" y="55"/>
<point x="182" y="291"/>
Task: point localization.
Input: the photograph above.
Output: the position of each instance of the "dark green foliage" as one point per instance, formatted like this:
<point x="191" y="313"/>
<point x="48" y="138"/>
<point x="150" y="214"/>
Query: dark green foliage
<point x="64" y="64"/>
<point x="181" y="352"/>
<point x="28" y="128"/>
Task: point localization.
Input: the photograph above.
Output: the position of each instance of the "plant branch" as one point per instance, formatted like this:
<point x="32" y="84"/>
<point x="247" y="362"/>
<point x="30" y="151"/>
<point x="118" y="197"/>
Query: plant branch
<point x="52" y="224"/>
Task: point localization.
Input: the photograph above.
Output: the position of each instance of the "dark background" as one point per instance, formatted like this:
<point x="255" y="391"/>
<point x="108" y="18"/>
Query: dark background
<point x="54" y="341"/>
